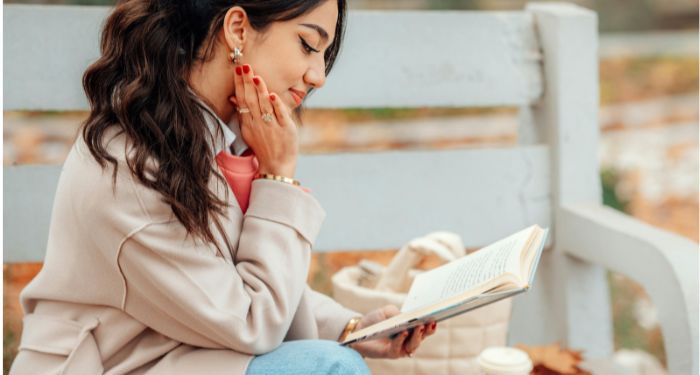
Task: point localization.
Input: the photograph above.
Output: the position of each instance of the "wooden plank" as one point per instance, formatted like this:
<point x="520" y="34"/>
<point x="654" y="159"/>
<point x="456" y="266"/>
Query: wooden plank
<point x="382" y="200"/>
<point x="435" y="58"/>
<point x="373" y="200"/>
<point x="389" y="59"/>
<point x="28" y="194"/>
<point x="46" y="51"/>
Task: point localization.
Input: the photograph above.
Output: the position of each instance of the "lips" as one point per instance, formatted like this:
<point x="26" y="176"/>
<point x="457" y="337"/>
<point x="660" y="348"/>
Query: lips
<point x="297" y="95"/>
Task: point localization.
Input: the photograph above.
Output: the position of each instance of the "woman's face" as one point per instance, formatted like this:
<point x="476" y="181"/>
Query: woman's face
<point x="289" y="56"/>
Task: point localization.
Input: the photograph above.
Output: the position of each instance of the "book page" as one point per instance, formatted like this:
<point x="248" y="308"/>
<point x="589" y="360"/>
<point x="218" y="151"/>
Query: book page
<point x="467" y="272"/>
<point x="533" y="258"/>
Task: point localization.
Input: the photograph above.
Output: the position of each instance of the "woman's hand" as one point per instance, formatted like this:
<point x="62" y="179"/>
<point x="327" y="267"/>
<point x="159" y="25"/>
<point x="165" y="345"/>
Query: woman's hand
<point x="401" y="345"/>
<point x="275" y="143"/>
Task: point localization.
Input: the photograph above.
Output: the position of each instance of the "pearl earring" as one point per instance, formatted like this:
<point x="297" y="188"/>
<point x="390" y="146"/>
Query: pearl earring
<point x="236" y="55"/>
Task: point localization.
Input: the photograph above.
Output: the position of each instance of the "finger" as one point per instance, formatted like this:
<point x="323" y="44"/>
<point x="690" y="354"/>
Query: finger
<point x="239" y="87"/>
<point x="397" y="345"/>
<point x="390" y="311"/>
<point x="263" y="96"/>
<point x="430" y="329"/>
<point x="414" y="340"/>
<point x="238" y="94"/>
<point x="427" y="329"/>
<point x="281" y="113"/>
<point x="251" y="95"/>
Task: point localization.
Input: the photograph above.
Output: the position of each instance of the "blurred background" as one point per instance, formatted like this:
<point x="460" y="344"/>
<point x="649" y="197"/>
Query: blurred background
<point x="648" y="152"/>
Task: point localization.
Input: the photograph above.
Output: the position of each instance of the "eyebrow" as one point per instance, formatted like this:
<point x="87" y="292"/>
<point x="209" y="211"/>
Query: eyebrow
<point x="319" y="29"/>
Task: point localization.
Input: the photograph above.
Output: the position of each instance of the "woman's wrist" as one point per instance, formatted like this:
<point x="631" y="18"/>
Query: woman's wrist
<point x="286" y="170"/>
<point x="279" y="178"/>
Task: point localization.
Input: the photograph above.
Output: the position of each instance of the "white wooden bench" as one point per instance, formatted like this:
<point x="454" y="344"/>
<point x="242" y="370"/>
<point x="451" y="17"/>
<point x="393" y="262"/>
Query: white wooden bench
<point x="542" y="60"/>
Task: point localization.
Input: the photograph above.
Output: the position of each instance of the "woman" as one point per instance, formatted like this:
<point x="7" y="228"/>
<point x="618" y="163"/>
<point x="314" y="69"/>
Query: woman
<point x="180" y="243"/>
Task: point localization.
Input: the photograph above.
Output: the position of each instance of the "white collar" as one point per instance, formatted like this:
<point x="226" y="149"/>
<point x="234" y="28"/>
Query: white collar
<point x="232" y="131"/>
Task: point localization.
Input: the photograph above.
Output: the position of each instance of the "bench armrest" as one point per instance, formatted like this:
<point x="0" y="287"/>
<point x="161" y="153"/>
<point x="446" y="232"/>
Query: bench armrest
<point x="665" y="264"/>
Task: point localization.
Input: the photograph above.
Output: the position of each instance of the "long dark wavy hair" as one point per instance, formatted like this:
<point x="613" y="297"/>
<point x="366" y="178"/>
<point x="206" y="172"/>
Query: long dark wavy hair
<point x="140" y="85"/>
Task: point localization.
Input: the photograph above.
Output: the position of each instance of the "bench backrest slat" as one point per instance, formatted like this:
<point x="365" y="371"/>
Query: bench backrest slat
<point x="483" y="195"/>
<point x="28" y="199"/>
<point x="389" y="59"/>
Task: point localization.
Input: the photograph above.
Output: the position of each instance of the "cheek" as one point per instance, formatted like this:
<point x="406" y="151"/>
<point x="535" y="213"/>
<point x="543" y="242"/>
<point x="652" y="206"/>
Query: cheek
<point x="282" y="68"/>
<point x="271" y="77"/>
<point x="276" y="87"/>
<point x="285" y="77"/>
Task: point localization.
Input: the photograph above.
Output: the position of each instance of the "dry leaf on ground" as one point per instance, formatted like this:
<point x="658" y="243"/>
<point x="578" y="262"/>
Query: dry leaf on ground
<point x="552" y="359"/>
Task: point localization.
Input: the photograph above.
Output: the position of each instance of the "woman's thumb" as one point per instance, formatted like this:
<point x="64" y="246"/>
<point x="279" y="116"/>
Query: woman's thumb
<point x="391" y="310"/>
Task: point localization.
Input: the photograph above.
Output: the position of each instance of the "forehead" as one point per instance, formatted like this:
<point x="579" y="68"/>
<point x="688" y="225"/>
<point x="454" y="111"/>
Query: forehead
<point x="324" y="15"/>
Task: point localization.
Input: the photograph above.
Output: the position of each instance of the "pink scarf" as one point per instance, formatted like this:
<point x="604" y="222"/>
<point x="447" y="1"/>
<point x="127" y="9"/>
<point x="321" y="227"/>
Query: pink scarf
<point x="239" y="172"/>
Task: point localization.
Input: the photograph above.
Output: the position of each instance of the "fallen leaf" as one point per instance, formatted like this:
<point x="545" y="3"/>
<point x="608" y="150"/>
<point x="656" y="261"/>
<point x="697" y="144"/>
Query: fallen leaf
<point x="553" y="360"/>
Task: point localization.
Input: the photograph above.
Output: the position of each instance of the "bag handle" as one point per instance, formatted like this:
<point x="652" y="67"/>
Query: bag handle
<point x="446" y="245"/>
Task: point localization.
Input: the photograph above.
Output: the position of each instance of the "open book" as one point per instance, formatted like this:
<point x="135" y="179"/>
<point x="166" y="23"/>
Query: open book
<point x="497" y="271"/>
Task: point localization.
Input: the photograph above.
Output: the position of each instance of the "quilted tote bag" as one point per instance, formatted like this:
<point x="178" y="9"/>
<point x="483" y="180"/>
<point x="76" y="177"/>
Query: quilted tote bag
<point x="456" y="344"/>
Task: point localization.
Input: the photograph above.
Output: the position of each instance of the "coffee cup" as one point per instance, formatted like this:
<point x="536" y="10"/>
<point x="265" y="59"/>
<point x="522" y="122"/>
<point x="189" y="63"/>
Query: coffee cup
<point x="501" y="360"/>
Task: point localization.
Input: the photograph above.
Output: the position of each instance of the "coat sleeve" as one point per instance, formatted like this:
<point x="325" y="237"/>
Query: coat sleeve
<point x="331" y="317"/>
<point x="176" y="286"/>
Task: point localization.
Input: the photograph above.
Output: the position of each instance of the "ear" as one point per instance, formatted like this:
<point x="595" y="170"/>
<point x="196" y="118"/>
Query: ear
<point x="234" y="29"/>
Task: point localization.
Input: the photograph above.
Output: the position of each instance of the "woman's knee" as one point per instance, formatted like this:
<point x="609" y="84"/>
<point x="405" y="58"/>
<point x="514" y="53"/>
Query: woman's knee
<point x="336" y="359"/>
<point x="310" y="357"/>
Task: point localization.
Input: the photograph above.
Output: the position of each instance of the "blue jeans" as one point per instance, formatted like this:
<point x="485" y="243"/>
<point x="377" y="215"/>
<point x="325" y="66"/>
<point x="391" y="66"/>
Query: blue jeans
<point x="309" y="357"/>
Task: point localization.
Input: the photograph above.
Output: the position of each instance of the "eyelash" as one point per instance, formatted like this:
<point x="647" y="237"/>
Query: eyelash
<point x="307" y="47"/>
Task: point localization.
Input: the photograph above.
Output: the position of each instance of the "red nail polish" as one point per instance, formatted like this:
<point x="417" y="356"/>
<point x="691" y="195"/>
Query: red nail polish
<point x="272" y="98"/>
<point x="256" y="81"/>
<point x="246" y="68"/>
<point x="238" y="70"/>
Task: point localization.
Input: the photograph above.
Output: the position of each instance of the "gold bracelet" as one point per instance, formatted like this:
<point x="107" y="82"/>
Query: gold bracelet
<point x="275" y="177"/>
<point x="349" y="328"/>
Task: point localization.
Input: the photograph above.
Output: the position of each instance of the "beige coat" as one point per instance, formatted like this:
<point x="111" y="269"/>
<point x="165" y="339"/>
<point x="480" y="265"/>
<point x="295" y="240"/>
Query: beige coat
<point x="124" y="289"/>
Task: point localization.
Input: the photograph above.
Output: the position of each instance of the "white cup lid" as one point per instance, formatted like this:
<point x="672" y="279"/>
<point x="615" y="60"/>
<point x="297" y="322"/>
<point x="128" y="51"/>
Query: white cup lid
<point x="505" y="359"/>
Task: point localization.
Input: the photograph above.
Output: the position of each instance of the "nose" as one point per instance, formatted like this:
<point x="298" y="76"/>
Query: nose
<point x="316" y="76"/>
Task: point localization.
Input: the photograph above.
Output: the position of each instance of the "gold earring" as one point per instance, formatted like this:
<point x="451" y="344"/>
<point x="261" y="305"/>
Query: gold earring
<point x="236" y="55"/>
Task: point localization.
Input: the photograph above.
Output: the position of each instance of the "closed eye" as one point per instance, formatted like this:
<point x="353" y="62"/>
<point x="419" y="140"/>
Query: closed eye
<point x="307" y="47"/>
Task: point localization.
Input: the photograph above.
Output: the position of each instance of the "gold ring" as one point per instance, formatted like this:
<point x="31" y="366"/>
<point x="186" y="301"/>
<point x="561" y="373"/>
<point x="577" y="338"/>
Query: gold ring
<point x="267" y="117"/>
<point x="243" y="110"/>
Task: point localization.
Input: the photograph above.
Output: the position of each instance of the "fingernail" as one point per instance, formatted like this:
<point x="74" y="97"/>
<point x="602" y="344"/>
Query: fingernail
<point x="256" y="81"/>
<point x="272" y="97"/>
<point x="239" y="71"/>
<point x="246" y="68"/>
